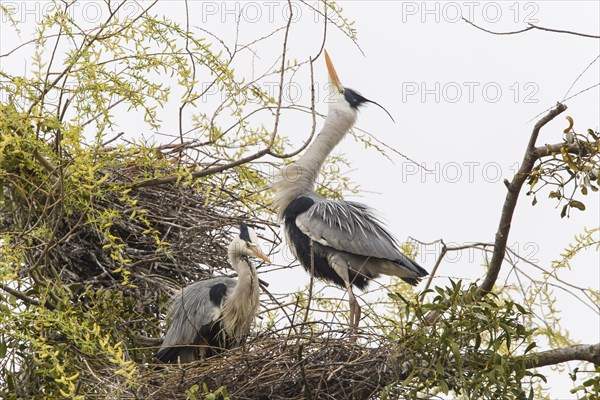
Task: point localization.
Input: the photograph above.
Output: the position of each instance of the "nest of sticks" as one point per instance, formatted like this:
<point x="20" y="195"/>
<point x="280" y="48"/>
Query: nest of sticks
<point x="278" y="367"/>
<point x="197" y="239"/>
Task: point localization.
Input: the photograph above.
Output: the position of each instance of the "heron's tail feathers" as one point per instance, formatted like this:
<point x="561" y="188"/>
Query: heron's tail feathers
<point x="409" y="271"/>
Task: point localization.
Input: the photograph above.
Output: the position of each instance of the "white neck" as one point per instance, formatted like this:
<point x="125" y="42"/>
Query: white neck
<point x="241" y="305"/>
<point x="247" y="281"/>
<point x="299" y="177"/>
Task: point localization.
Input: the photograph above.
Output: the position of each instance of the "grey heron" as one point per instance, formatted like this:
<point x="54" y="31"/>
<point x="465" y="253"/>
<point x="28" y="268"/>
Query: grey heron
<point x="348" y="242"/>
<point x="211" y="315"/>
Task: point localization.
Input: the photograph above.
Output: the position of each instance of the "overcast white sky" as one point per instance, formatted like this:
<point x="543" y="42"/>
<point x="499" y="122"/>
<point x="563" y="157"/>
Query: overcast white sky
<point x="463" y="101"/>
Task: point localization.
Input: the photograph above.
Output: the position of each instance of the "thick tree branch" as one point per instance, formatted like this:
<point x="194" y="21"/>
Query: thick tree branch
<point x="578" y="352"/>
<point x="514" y="188"/>
<point x="549" y="149"/>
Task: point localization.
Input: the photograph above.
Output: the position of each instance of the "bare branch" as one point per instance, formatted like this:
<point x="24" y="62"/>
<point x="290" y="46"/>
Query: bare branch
<point x="497" y="33"/>
<point x="549" y="149"/>
<point x="282" y="75"/>
<point x="579" y="76"/>
<point x="578" y="352"/>
<point x="514" y="187"/>
<point x="204" y="172"/>
<point x="19" y="295"/>
<point x="437" y="265"/>
<point x="541" y="28"/>
<point x="312" y="98"/>
<point x="531" y="26"/>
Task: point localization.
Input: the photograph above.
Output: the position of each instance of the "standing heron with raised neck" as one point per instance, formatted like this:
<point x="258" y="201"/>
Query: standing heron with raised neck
<point x="349" y="244"/>
<point x="209" y="316"/>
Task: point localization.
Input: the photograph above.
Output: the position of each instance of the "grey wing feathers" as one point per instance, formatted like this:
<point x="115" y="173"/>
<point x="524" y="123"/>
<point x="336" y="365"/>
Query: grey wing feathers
<point x="191" y="308"/>
<point x="349" y="227"/>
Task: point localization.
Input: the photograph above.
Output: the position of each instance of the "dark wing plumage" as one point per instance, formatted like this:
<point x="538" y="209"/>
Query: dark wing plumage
<point x="352" y="228"/>
<point x="194" y="319"/>
<point x="349" y="227"/>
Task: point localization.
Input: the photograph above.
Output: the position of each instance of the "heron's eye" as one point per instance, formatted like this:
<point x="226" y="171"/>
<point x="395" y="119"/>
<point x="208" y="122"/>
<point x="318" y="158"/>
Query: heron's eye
<point x="342" y="91"/>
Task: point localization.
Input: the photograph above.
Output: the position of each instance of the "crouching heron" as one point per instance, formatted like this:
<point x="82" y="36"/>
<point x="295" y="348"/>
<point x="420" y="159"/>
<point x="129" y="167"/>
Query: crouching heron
<point x="349" y="245"/>
<point x="209" y="316"/>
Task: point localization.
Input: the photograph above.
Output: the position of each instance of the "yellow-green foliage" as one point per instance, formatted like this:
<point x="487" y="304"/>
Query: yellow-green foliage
<point x="482" y="340"/>
<point x="85" y="264"/>
<point x="66" y="344"/>
<point x="572" y="171"/>
<point x="67" y="181"/>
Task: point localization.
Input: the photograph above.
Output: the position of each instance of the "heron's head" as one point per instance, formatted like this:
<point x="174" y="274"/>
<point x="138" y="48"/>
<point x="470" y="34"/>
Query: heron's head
<point x="345" y="97"/>
<point x="245" y="244"/>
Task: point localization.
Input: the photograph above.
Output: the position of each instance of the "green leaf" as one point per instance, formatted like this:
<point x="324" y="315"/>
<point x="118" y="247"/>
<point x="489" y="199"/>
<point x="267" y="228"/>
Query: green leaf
<point x="455" y="350"/>
<point x="444" y="386"/>
<point x="568" y="129"/>
<point x="542" y="377"/>
<point x="406" y="381"/>
<point x="568" y="159"/>
<point x="477" y="342"/>
<point x="530" y="347"/>
<point x="577" y="389"/>
<point x="577" y="204"/>
<point x="492" y="376"/>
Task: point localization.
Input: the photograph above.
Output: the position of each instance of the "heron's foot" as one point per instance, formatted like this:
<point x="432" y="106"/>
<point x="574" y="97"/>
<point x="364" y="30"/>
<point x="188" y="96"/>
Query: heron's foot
<point x="352" y="332"/>
<point x="352" y="338"/>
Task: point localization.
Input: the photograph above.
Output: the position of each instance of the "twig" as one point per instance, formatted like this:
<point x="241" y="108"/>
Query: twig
<point x="118" y="135"/>
<point x="436" y="266"/>
<point x="311" y="283"/>
<point x="190" y="88"/>
<point x="579" y="76"/>
<point x="497" y="33"/>
<point x="19" y="295"/>
<point x="307" y="391"/>
<point x="564" y="100"/>
<point x="282" y="75"/>
<point x="312" y="97"/>
<point x="530" y="27"/>
<point x="200" y="174"/>
<point x="581" y="91"/>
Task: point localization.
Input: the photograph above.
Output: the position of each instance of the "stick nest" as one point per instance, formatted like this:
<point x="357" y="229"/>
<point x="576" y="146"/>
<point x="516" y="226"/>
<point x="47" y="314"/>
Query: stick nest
<point x="323" y="366"/>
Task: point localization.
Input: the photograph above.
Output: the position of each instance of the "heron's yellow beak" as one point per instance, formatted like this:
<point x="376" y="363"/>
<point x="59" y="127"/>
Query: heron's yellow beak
<point x="333" y="77"/>
<point x="258" y="253"/>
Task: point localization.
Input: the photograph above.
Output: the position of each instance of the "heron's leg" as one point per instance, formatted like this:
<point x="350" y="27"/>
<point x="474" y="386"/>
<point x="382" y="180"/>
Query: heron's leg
<point x="341" y="269"/>
<point x="357" y="309"/>
<point x="354" y="309"/>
